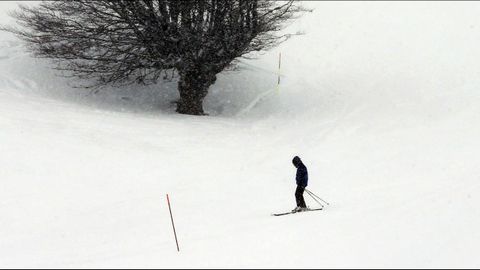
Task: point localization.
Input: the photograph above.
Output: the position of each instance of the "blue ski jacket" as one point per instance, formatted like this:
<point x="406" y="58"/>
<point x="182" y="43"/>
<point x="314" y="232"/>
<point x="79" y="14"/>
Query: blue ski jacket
<point x="302" y="176"/>
<point x="302" y="173"/>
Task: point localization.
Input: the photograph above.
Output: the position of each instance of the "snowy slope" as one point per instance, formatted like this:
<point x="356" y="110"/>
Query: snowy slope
<point x="381" y="100"/>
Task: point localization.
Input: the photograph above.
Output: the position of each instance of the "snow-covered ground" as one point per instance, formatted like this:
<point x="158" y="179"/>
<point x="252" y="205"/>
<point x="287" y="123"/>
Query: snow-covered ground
<point x="380" y="99"/>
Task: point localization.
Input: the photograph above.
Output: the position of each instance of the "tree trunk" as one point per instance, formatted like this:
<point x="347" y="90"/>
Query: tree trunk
<point x="193" y="88"/>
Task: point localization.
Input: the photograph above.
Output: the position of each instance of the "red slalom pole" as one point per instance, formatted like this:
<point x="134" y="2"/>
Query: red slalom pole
<point x="173" y="224"/>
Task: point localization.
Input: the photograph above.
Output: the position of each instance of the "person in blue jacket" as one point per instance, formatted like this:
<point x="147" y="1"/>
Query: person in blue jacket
<point x="302" y="182"/>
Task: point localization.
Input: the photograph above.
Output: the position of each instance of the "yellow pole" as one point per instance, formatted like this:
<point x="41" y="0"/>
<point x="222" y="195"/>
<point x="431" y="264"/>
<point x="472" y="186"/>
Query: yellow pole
<point x="279" y="69"/>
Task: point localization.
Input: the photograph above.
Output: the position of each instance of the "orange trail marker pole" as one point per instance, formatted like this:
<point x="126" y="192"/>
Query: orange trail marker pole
<point x="173" y="224"/>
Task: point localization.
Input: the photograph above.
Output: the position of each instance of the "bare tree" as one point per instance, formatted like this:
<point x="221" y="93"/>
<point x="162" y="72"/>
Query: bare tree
<point x="123" y="42"/>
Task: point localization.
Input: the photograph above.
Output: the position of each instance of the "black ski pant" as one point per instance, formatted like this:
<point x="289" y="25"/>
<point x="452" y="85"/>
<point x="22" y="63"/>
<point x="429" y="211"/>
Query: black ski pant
<point x="299" y="196"/>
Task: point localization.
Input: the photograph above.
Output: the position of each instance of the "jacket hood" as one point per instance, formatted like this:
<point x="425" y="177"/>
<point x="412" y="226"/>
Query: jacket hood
<point x="296" y="161"/>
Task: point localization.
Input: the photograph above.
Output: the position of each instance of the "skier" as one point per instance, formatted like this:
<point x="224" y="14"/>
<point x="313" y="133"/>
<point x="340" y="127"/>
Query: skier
<point x="302" y="182"/>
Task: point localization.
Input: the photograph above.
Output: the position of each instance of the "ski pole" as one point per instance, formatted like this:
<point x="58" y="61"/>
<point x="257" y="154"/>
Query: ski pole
<point x="315" y="199"/>
<point x="313" y="194"/>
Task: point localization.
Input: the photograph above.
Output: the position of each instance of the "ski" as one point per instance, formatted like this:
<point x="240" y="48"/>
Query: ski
<point x="288" y="213"/>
